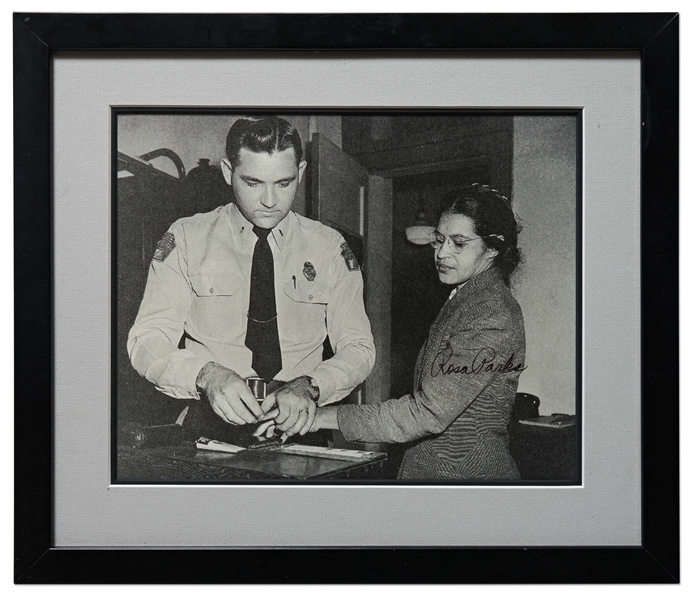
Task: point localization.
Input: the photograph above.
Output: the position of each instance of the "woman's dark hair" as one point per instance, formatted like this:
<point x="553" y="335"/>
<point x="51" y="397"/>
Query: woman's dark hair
<point x="493" y="220"/>
<point x="266" y="133"/>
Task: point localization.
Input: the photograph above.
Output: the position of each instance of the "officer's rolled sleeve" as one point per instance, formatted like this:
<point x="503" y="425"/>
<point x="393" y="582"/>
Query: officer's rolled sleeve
<point x="174" y="373"/>
<point x="154" y="339"/>
<point x="349" y="331"/>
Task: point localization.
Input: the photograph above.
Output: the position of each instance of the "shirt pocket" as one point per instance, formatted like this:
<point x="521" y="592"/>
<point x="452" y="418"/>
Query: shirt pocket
<point x="304" y="313"/>
<point x="216" y="311"/>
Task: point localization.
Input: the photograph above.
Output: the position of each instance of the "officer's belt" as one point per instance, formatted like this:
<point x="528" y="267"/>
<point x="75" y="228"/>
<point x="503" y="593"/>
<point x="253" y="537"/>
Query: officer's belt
<point x="260" y="388"/>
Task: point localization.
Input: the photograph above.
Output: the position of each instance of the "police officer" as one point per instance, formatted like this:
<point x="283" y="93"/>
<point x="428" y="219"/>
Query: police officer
<point x="253" y="289"/>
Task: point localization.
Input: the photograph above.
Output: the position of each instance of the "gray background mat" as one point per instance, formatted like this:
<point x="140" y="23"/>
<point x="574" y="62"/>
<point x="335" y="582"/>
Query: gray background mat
<point x="604" y="511"/>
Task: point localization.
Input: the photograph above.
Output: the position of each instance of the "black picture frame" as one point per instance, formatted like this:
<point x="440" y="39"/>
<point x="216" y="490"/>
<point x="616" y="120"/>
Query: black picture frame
<point x="654" y="36"/>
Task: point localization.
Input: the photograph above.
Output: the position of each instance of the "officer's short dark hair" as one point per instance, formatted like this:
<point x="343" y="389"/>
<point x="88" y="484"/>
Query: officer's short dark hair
<point x="266" y="133"/>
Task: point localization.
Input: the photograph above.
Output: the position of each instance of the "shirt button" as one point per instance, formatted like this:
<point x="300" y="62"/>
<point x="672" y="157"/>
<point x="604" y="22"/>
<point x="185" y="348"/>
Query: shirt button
<point x="310" y="296"/>
<point x="211" y="290"/>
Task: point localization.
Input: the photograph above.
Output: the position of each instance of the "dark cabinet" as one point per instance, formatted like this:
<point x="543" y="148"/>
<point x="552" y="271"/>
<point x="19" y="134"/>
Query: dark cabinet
<point x="147" y="202"/>
<point x="545" y="454"/>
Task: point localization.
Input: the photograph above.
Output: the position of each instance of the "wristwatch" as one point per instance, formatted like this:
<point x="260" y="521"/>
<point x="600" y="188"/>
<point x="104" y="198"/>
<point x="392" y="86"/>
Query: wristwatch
<point x="314" y="386"/>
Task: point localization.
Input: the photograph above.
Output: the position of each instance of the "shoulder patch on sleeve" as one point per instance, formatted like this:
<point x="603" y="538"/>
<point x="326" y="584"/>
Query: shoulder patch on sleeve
<point x="164" y="247"/>
<point x="348" y="255"/>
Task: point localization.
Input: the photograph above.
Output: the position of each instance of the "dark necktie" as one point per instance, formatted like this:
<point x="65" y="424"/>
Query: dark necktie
<point x="262" y="325"/>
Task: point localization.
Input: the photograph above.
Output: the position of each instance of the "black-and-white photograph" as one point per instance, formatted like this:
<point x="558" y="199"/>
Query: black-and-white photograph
<point x="387" y="297"/>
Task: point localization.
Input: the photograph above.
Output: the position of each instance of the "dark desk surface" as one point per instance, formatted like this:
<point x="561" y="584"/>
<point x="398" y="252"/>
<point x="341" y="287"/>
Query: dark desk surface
<point x="186" y="463"/>
<point x="545" y="454"/>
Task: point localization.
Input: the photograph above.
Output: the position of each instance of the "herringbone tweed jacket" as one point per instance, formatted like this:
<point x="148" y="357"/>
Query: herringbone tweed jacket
<point x="465" y="383"/>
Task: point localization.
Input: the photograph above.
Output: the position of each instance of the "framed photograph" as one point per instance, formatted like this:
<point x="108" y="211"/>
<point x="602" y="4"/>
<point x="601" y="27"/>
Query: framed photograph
<point x="396" y="300"/>
<point x="381" y="181"/>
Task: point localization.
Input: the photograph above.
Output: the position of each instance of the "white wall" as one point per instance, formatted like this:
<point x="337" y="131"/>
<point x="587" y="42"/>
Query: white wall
<point x="544" y="197"/>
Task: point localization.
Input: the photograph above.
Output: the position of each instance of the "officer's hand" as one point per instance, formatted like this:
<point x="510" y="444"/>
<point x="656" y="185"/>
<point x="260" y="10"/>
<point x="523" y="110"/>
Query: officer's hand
<point x="296" y="408"/>
<point x="228" y="394"/>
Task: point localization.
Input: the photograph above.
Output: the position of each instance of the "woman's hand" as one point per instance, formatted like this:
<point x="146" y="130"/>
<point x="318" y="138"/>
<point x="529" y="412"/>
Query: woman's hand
<point x="325" y="418"/>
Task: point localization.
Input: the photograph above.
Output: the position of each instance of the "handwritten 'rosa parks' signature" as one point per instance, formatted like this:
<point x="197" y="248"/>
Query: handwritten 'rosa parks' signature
<point x="484" y="361"/>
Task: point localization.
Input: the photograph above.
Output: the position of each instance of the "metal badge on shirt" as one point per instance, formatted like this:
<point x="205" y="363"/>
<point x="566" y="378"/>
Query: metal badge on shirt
<point x="164" y="247"/>
<point x="349" y="258"/>
<point x="309" y="271"/>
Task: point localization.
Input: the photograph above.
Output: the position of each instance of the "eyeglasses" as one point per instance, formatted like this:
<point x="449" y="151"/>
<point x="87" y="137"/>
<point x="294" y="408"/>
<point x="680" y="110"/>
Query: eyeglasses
<point x="456" y="245"/>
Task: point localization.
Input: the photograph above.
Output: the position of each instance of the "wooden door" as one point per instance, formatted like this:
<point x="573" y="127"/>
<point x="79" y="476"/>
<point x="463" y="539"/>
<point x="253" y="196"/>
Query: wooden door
<point x="344" y="196"/>
<point x="337" y="187"/>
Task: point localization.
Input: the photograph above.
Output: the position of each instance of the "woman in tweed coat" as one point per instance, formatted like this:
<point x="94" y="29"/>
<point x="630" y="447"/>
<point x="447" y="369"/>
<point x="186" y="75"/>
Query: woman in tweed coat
<point x="466" y="374"/>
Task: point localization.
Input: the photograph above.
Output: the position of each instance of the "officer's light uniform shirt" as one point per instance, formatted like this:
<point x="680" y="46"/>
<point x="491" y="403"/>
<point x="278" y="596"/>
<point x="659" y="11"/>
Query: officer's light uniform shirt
<point x="198" y="287"/>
